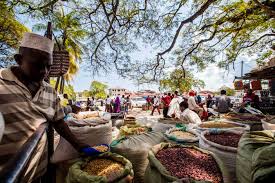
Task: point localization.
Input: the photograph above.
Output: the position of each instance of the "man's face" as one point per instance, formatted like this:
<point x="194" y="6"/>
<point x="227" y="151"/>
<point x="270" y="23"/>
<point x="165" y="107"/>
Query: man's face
<point x="35" y="64"/>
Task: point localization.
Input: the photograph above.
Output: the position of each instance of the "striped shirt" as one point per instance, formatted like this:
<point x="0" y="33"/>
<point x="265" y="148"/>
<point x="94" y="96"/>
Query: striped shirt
<point x="23" y="113"/>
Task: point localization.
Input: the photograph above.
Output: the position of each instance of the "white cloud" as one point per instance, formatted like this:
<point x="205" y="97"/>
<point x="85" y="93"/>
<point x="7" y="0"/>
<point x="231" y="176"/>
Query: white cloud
<point x="215" y="77"/>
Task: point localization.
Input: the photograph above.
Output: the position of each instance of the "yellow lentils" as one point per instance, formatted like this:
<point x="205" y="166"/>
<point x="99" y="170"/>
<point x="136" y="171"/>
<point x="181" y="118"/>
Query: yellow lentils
<point x="101" y="148"/>
<point x="104" y="167"/>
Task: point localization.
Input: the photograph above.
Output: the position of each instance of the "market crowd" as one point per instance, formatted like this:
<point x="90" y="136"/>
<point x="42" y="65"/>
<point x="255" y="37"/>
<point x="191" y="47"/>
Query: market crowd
<point x="192" y="109"/>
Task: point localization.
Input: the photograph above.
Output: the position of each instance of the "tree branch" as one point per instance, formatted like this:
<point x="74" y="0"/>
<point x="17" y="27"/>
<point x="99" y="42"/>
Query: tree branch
<point x="267" y="9"/>
<point x="188" y="20"/>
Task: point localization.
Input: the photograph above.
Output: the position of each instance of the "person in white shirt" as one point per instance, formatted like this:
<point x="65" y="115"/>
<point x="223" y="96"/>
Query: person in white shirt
<point x="188" y="115"/>
<point x="174" y="107"/>
<point x="108" y="104"/>
<point x="156" y="103"/>
<point x="192" y="105"/>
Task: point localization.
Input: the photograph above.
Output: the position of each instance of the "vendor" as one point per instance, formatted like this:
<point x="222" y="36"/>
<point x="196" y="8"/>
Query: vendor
<point x="174" y="107"/>
<point x="193" y="105"/>
<point x="223" y="103"/>
<point x="26" y="102"/>
<point x="188" y="115"/>
<point x="251" y="99"/>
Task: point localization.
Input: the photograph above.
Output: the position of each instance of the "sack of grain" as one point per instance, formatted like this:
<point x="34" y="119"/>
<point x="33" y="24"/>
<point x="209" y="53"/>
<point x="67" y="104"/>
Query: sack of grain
<point x="135" y="129"/>
<point x="135" y="148"/>
<point x="107" y="167"/>
<point x="210" y="125"/>
<point x="89" y="134"/>
<point x="224" y="144"/>
<point x="182" y="135"/>
<point x="183" y="163"/>
<point x="255" y="157"/>
<point x="86" y="114"/>
<point x="268" y="123"/>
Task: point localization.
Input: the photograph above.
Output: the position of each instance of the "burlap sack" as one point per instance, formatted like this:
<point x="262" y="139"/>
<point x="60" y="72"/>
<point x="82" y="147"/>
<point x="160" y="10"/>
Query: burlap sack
<point x="157" y="173"/>
<point x="91" y="135"/>
<point x="255" y="157"/>
<point x="77" y="175"/>
<point x="226" y="154"/>
<point x="135" y="148"/>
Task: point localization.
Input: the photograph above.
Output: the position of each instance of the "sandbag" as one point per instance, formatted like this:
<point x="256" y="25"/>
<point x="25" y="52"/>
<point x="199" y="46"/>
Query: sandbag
<point x="77" y="175"/>
<point x="91" y="135"/>
<point x="255" y="157"/>
<point x="135" y="148"/>
<point x="226" y="154"/>
<point x="156" y="172"/>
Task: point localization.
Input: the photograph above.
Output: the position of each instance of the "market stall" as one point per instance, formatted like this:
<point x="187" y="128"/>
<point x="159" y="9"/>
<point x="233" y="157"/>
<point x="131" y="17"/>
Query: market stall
<point x="261" y="80"/>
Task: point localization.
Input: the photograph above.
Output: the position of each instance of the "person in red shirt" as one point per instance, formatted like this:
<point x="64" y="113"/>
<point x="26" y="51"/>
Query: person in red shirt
<point x="166" y="101"/>
<point x="251" y="98"/>
<point x="148" y="100"/>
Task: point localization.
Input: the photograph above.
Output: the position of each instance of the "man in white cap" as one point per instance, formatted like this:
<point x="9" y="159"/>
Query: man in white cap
<point x="27" y="101"/>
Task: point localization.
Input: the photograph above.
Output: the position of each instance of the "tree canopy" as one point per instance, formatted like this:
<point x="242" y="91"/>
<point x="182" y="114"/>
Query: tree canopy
<point x="179" y="33"/>
<point x="68" y="89"/>
<point x="229" y="91"/>
<point x="98" y="90"/>
<point x="180" y="81"/>
<point x="11" y="32"/>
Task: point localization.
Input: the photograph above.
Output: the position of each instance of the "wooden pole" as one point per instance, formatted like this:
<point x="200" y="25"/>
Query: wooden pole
<point x="51" y="174"/>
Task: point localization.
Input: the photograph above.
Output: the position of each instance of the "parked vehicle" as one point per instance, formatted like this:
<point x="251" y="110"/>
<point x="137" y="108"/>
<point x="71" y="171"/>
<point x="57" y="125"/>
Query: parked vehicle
<point x="138" y="101"/>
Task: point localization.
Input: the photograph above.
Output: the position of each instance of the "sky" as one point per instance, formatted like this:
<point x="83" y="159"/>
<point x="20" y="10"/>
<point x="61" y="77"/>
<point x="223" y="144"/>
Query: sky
<point x="213" y="77"/>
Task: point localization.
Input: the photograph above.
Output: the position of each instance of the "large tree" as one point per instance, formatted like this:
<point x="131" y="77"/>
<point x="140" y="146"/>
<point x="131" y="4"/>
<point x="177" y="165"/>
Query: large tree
<point x="180" y="33"/>
<point x="98" y="90"/>
<point x="11" y="32"/>
<point x="180" y="81"/>
<point x="229" y="91"/>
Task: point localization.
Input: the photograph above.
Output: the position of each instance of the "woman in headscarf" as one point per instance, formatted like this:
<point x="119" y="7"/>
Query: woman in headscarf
<point x="117" y="104"/>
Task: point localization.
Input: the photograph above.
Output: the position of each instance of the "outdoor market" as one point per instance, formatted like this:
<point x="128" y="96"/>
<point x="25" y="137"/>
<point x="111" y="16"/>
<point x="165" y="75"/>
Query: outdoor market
<point x="131" y="91"/>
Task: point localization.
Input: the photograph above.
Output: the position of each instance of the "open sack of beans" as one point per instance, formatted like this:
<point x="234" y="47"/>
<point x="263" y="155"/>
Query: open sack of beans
<point x="222" y="125"/>
<point x="136" y="148"/>
<point x="224" y="144"/>
<point x="133" y="129"/>
<point x="107" y="167"/>
<point x="89" y="134"/>
<point x="182" y="135"/>
<point x="256" y="157"/>
<point x="268" y="123"/>
<point x="169" y="121"/>
<point x="182" y="163"/>
<point x="254" y="121"/>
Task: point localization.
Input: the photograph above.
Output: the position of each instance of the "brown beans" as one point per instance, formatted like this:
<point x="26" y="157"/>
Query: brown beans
<point x="218" y="125"/>
<point x="183" y="162"/>
<point x="225" y="139"/>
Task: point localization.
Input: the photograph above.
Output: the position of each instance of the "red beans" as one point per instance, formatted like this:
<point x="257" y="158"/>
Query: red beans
<point x="184" y="162"/>
<point x="225" y="139"/>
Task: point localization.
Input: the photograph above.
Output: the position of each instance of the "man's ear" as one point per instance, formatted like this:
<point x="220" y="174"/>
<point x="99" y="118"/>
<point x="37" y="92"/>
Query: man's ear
<point x="18" y="58"/>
